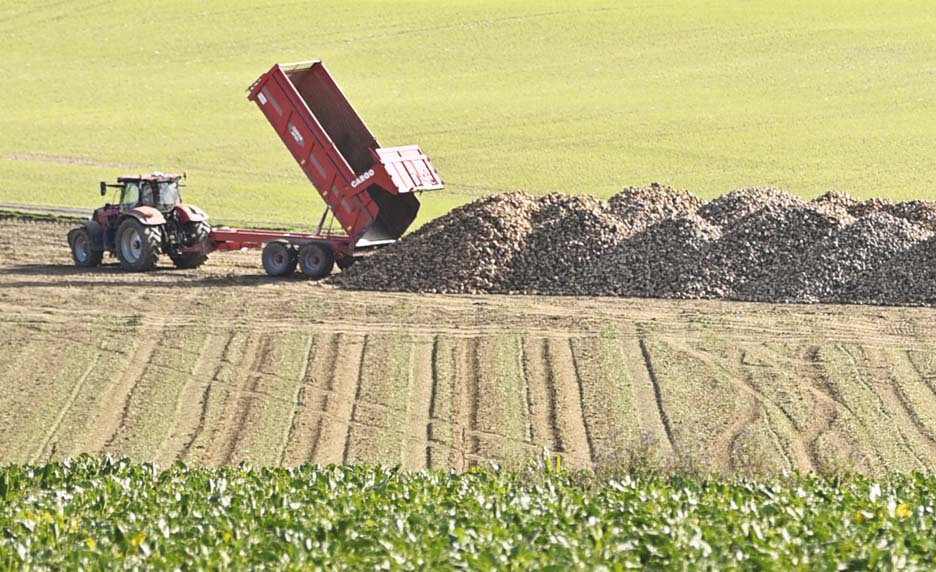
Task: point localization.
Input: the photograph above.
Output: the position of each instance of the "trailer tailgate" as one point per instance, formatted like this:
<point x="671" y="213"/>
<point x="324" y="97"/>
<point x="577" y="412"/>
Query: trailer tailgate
<point x="409" y="169"/>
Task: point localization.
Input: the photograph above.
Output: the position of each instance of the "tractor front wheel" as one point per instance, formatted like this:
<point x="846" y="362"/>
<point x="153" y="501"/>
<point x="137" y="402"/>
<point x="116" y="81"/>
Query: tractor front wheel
<point x="199" y="231"/>
<point x="82" y="253"/>
<point x="316" y="260"/>
<point x="137" y="245"/>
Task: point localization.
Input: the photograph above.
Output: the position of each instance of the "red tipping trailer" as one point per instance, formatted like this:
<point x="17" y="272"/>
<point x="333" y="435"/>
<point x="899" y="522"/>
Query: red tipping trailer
<point x="369" y="189"/>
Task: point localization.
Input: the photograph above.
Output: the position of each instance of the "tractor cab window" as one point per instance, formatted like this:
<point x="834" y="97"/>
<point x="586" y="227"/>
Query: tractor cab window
<point x="146" y="195"/>
<point x="130" y="195"/>
<point x="168" y="195"/>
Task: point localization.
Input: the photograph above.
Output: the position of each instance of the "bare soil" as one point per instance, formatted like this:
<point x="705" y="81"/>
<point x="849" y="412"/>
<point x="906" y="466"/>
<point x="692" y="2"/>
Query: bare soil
<point x="223" y="364"/>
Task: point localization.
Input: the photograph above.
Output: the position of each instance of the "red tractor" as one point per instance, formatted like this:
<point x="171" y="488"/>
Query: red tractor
<point x="150" y="219"/>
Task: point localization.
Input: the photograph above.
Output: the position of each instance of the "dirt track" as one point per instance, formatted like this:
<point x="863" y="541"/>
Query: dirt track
<point x="222" y="364"/>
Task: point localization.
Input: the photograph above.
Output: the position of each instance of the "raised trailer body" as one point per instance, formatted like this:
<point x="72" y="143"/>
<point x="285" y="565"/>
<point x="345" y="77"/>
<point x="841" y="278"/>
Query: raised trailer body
<point x="369" y="189"/>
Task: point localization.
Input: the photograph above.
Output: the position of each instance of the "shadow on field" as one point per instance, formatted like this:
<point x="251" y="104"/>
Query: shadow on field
<point x="111" y="275"/>
<point x="59" y="270"/>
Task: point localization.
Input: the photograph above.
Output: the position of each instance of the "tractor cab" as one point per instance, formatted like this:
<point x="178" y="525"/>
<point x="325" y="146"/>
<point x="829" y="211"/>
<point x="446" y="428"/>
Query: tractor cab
<point x="159" y="191"/>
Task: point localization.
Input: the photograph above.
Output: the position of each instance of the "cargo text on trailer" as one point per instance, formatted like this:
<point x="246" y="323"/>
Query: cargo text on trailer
<point x="369" y="189"/>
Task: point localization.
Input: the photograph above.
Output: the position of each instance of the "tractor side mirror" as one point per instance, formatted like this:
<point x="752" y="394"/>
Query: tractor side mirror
<point x="103" y="188"/>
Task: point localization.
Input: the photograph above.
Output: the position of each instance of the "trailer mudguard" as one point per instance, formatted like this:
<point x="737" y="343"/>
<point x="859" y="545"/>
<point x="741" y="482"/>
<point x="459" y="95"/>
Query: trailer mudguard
<point x="148" y="216"/>
<point x="189" y="213"/>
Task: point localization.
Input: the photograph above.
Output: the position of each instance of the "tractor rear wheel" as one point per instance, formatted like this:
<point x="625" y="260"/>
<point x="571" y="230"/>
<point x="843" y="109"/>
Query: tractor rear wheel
<point x="278" y="259"/>
<point x="137" y="245"/>
<point x="199" y="231"/>
<point x="82" y="253"/>
<point x="316" y="260"/>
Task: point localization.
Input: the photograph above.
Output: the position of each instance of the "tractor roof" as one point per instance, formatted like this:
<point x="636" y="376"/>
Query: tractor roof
<point x="156" y="177"/>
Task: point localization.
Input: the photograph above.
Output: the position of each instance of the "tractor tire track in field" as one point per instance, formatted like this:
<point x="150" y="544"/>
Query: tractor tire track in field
<point x="798" y="455"/>
<point x="431" y="441"/>
<point x="925" y="395"/>
<point x="580" y="406"/>
<point x="464" y="392"/>
<point x="524" y="369"/>
<point x="828" y="405"/>
<point x="795" y="455"/>
<point x="416" y="446"/>
<point x="825" y="416"/>
<point x="863" y="412"/>
<point x="524" y="399"/>
<point x="927" y="379"/>
<point x="299" y="400"/>
<point x="898" y="405"/>
<point x="652" y="431"/>
<point x="498" y="428"/>
<point x="566" y="400"/>
<point x="474" y="429"/>
<point x="876" y="408"/>
<point x="41" y="454"/>
<point x="657" y="393"/>
<point x="825" y="385"/>
<point x="320" y="389"/>
<point x="152" y="330"/>
<point x="390" y="408"/>
<point x="540" y="398"/>
<point x="335" y="403"/>
<point x="257" y="351"/>
<point x="925" y="435"/>
<point x="204" y="401"/>
<point x="725" y="447"/>
<point x="356" y="392"/>
<point x="182" y="419"/>
<point x="119" y="396"/>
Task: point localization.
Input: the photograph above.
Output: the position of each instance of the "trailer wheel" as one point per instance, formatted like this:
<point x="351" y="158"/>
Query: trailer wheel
<point x="316" y="260"/>
<point x="82" y="253"/>
<point x="137" y="245"/>
<point x="278" y="258"/>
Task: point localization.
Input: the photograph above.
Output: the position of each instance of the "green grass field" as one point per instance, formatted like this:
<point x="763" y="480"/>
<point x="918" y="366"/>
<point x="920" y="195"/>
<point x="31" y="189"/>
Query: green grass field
<point x="540" y="96"/>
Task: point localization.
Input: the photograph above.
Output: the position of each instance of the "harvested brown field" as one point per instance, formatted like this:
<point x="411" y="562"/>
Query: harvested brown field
<point x="223" y="364"/>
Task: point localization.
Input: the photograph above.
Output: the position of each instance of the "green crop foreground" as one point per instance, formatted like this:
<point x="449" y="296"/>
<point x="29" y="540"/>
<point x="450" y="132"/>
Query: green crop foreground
<point x="113" y="513"/>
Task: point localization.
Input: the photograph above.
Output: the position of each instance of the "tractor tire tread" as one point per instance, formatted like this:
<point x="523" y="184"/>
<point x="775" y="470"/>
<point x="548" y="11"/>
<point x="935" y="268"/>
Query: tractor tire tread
<point x="317" y="260"/>
<point x="193" y="259"/>
<point x="275" y="269"/>
<point x="94" y="256"/>
<point x="151" y="248"/>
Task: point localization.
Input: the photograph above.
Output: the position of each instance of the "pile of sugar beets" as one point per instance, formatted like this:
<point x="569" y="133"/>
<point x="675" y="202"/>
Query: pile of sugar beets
<point x="750" y="244"/>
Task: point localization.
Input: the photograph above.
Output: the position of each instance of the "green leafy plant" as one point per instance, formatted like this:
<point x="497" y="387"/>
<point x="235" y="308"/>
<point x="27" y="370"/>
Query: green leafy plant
<point x="113" y="513"/>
